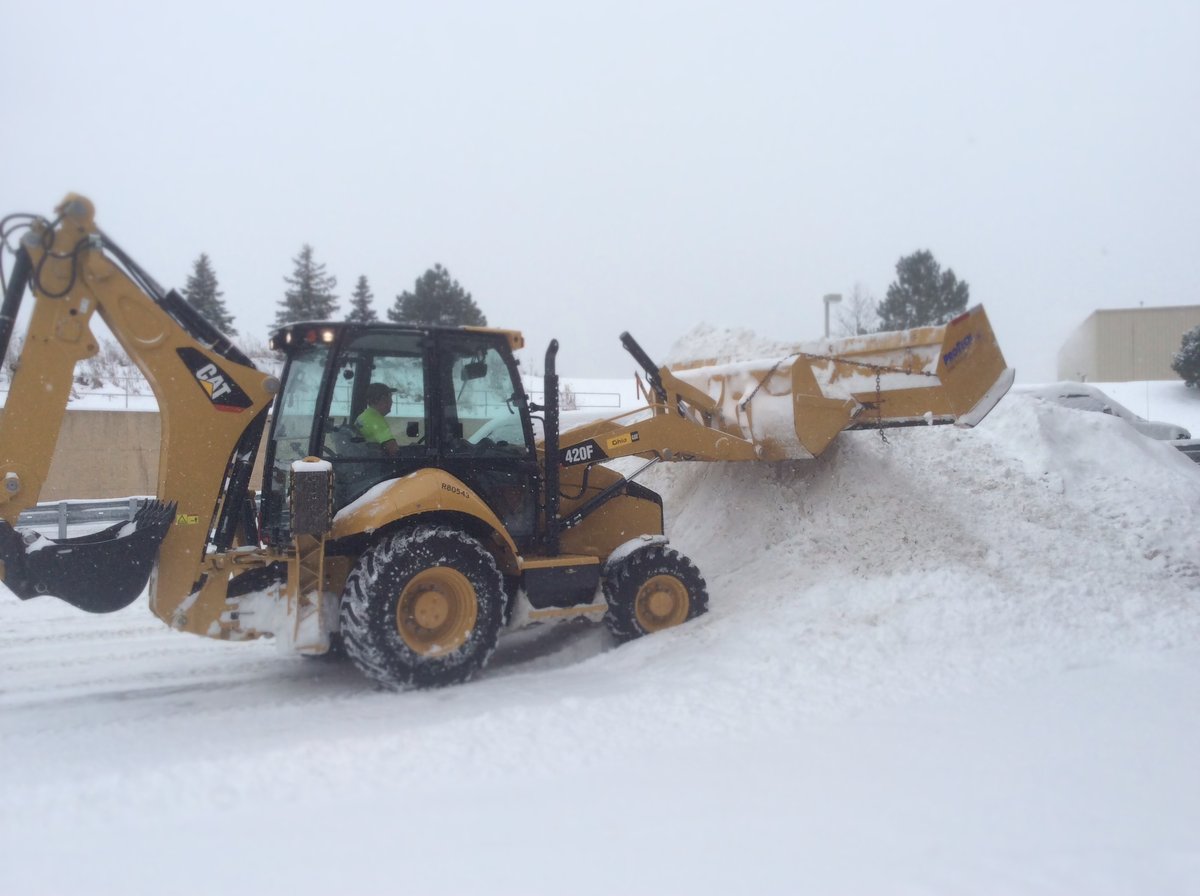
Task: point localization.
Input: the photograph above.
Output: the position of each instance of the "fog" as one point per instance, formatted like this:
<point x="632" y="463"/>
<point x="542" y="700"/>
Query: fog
<point x="642" y="166"/>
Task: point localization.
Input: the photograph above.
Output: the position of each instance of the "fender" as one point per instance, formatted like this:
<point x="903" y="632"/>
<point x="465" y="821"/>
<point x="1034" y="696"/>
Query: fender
<point x="632" y="547"/>
<point x="426" y="491"/>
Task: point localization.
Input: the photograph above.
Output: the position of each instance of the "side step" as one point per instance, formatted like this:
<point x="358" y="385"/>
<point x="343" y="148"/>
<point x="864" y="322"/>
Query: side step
<point x="565" y="580"/>
<point x="100" y="573"/>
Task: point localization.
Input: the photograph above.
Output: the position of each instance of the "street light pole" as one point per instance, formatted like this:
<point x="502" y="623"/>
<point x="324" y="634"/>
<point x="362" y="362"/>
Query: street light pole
<point x="830" y="298"/>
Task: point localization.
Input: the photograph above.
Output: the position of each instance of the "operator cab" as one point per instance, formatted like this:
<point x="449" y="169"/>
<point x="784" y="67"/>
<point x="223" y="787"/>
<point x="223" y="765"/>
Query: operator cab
<point x="457" y="403"/>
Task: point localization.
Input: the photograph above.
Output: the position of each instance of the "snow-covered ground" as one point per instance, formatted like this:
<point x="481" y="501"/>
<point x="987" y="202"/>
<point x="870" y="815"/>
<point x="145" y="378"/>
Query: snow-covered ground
<point x="955" y="662"/>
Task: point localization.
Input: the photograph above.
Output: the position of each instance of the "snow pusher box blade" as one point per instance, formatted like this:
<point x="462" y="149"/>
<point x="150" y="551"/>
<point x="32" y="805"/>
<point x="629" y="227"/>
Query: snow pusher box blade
<point x="794" y="406"/>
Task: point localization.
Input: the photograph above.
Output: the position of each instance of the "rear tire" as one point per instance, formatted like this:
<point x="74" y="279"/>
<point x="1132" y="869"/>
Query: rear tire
<point x="422" y="608"/>
<point x="651" y="590"/>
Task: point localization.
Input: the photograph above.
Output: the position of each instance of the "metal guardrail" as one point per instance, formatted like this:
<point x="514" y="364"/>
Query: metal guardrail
<point x="75" y="513"/>
<point x="62" y="514"/>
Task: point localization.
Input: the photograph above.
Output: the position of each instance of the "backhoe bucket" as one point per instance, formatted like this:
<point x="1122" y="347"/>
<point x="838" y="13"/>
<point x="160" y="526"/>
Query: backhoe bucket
<point x="793" y="407"/>
<point x="99" y="573"/>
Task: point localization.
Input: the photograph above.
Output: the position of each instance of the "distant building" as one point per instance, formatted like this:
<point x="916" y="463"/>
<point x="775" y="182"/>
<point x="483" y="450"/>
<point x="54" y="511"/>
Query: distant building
<point x="1126" y="344"/>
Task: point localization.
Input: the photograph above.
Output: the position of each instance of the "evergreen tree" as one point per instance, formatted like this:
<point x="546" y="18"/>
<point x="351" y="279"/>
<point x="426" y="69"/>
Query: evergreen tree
<point x="922" y="294"/>
<point x="310" y="292"/>
<point x="1186" y="362"/>
<point x="203" y="294"/>
<point x="361" y="311"/>
<point x="437" y="299"/>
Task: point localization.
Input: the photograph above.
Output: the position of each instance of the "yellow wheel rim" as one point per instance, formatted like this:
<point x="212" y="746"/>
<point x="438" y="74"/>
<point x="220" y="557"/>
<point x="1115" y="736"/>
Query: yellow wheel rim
<point x="436" y="611"/>
<point x="661" y="603"/>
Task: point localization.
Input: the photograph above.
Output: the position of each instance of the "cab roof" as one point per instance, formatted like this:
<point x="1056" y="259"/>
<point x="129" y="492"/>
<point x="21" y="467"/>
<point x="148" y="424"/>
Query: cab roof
<point x="312" y="331"/>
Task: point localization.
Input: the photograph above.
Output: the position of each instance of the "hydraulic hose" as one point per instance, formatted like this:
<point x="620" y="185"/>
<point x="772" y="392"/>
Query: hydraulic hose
<point x="13" y="294"/>
<point x="639" y="355"/>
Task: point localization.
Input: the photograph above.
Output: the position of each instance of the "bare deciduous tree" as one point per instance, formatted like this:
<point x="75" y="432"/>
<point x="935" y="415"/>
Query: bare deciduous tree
<point x="859" y="313"/>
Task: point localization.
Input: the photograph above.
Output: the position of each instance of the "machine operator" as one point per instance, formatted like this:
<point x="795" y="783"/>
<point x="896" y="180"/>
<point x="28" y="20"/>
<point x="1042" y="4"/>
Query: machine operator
<point x="372" y="422"/>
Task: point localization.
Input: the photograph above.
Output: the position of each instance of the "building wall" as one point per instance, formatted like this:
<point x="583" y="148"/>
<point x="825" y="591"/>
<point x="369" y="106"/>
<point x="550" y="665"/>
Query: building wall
<point x="108" y="454"/>
<point x="1128" y="344"/>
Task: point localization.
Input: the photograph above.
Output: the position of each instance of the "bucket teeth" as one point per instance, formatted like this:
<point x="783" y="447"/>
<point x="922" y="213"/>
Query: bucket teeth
<point x="155" y="515"/>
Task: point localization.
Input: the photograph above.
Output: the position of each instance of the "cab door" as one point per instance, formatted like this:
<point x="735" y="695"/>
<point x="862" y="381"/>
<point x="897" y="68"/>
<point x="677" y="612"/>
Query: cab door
<point x="396" y="359"/>
<point x="483" y="433"/>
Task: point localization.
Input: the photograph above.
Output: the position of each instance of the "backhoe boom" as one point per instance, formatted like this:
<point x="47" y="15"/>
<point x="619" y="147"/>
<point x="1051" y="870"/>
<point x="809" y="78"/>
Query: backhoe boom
<point x="211" y="402"/>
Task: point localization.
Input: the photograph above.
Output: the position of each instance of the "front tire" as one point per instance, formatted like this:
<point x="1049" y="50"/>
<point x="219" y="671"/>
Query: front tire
<point x="423" y="608"/>
<point x="651" y="590"/>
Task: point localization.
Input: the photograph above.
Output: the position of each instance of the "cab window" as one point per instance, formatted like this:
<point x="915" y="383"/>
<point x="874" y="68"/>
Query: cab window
<point x="481" y="411"/>
<point x="394" y="360"/>
<point x="356" y="447"/>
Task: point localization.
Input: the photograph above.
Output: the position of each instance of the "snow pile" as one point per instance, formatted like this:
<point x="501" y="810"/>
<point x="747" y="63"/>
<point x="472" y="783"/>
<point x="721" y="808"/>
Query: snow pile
<point x="955" y="661"/>
<point x="1044" y="537"/>
<point x="708" y="344"/>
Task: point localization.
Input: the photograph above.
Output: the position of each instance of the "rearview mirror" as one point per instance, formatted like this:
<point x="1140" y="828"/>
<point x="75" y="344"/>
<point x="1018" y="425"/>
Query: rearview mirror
<point x="474" y="370"/>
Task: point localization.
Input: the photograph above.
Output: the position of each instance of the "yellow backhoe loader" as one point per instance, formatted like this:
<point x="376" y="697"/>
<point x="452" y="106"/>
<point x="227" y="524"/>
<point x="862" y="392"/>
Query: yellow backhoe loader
<point x="410" y="553"/>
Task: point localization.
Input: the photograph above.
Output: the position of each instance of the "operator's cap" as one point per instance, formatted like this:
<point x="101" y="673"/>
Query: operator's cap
<point x="376" y="391"/>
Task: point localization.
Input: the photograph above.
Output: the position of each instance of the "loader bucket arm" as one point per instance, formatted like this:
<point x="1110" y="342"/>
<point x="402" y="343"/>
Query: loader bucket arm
<point x="211" y="402"/>
<point x="794" y="406"/>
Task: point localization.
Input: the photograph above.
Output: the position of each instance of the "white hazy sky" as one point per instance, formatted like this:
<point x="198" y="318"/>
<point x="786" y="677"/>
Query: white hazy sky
<point x="586" y="169"/>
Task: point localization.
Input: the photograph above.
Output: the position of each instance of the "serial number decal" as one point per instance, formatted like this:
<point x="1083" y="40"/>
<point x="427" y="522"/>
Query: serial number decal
<point x="952" y="356"/>
<point x="455" y="490"/>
